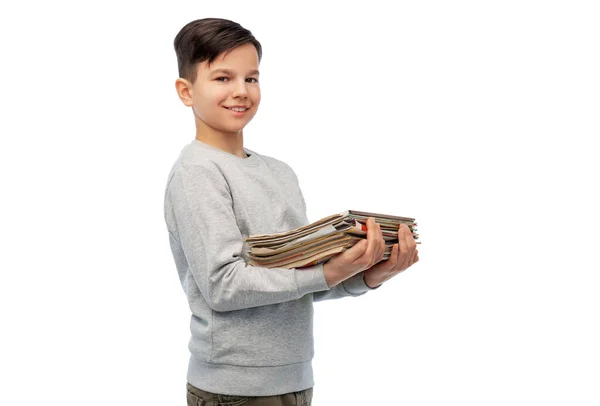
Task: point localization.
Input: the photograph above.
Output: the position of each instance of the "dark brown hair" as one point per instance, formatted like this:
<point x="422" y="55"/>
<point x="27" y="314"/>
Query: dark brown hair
<point x="205" y="39"/>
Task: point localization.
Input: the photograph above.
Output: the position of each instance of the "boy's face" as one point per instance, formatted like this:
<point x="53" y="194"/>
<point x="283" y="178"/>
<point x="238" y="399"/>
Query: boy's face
<point x="226" y="93"/>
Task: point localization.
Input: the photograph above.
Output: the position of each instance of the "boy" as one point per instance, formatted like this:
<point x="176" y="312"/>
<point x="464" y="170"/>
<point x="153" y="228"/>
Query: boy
<point x="251" y="328"/>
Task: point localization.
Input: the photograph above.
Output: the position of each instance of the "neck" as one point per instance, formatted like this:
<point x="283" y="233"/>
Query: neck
<point x="232" y="143"/>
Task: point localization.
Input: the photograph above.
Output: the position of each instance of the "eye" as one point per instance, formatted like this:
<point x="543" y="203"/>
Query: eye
<point x="222" y="79"/>
<point x="252" y="80"/>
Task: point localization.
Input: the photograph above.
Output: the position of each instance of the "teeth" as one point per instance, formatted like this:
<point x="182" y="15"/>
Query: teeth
<point x="240" y="109"/>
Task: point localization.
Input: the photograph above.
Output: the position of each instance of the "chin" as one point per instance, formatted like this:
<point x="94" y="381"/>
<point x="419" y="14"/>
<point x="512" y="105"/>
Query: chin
<point x="232" y="129"/>
<point x="235" y="127"/>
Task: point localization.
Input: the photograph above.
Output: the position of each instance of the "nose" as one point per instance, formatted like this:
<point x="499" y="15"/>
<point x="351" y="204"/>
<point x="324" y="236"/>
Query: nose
<point x="240" y="90"/>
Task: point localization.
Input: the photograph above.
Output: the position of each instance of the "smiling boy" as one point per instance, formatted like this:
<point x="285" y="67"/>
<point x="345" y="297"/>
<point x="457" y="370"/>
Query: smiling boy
<point x="251" y="327"/>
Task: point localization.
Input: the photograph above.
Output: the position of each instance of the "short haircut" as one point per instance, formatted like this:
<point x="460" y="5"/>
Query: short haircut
<point x="205" y="39"/>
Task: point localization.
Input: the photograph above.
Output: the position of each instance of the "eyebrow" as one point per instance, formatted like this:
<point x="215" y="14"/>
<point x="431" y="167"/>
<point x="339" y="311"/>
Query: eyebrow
<point x="230" y="72"/>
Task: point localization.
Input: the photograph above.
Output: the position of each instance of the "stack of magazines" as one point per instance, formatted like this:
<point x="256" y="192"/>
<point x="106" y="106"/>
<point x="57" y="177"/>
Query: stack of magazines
<point x="317" y="242"/>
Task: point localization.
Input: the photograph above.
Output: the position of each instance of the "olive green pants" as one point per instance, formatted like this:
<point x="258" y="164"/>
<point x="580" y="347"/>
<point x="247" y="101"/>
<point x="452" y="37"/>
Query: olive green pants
<point x="198" y="397"/>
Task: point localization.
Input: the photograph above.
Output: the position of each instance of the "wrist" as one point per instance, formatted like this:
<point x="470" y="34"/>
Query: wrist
<point x="370" y="284"/>
<point x="330" y="277"/>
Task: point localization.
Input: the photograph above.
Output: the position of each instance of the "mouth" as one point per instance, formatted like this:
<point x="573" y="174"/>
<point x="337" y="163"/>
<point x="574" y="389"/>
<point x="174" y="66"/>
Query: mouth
<point x="237" y="109"/>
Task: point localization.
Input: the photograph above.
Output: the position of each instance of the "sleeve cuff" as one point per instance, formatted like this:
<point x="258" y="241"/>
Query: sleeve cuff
<point x="311" y="279"/>
<point x="356" y="285"/>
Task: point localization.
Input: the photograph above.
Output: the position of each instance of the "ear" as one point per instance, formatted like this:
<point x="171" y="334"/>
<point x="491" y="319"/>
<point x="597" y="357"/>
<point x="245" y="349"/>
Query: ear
<point x="184" y="91"/>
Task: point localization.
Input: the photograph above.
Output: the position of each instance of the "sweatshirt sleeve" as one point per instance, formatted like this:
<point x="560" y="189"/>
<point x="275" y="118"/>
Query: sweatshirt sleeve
<point x="202" y="216"/>
<point x="354" y="286"/>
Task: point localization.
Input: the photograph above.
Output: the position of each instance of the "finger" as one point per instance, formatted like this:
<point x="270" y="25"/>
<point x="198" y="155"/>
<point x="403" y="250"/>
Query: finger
<point x="356" y="251"/>
<point x="383" y="247"/>
<point x="382" y="252"/>
<point x="410" y="240"/>
<point x="403" y="254"/>
<point x="411" y="245"/>
<point x="413" y="256"/>
<point x="402" y="240"/>
<point x="371" y="238"/>
<point x="388" y="265"/>
<point x="380" y="245"/>
<point x="394" y="255"/>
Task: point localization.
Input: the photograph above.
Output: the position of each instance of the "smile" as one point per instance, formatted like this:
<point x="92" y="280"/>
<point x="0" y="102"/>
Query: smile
<point x="238" y="109"/>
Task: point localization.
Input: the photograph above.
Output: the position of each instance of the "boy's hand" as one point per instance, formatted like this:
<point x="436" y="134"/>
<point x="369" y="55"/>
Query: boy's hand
<point x="404" y="254"/>
<point x="363" y="255"/>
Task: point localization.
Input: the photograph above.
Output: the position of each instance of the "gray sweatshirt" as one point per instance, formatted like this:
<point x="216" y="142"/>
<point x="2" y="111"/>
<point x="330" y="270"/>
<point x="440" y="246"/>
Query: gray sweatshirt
<point x="251" y="327"/>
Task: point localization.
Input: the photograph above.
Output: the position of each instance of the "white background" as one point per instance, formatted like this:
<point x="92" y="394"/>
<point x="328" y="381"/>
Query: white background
<point x="478" y="118"/>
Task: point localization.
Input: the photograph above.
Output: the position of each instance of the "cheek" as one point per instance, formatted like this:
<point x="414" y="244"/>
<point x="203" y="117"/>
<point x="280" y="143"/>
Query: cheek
<point x="256" y="95"/>
<point x="212" y="96"/>
<point x="219" y="97"/>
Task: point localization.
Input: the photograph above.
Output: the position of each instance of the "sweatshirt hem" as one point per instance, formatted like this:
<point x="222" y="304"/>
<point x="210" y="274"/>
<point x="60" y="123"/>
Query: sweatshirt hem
<point x="250" y="380"/>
